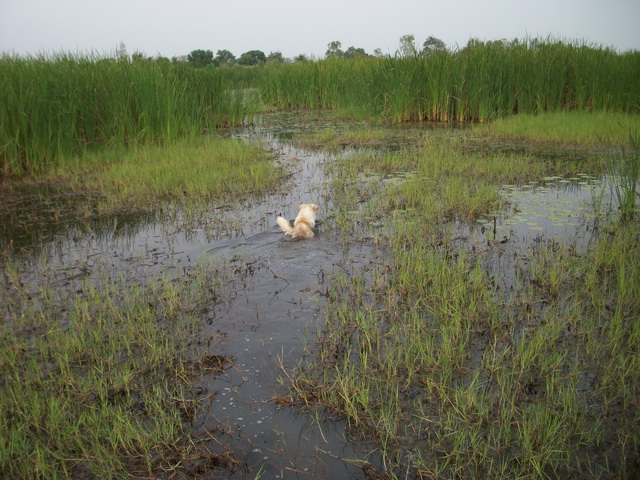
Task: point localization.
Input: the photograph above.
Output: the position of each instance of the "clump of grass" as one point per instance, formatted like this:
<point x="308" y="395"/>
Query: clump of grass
<point x="577" y="128"/>
<point x="209" y="167"/>
<point x="624" y="169"/>
<point x="96" y="371"/>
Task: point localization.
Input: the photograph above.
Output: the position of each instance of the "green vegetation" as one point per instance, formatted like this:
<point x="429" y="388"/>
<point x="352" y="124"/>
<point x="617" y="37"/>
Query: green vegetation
<point x="452" y="366"/>
<point x="483" y="81"/>
<point x="625" y="169"/>
<point x="575" y="128"/>
<point x="448" y="370"/>
<point x="96" y="370"/>
<point x="204" y="168"/>
<point x="57" y="109"/>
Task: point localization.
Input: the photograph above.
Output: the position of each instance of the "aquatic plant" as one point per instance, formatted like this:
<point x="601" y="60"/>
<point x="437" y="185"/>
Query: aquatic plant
<point x="625" y="171"/>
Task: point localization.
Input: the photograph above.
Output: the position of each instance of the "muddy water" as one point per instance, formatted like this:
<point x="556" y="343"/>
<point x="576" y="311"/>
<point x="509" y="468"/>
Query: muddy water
<point x="274" y="315"/>
<point x="271" y="321"/>
<point x="268" y="316"/>
<point x="274" y="305"/>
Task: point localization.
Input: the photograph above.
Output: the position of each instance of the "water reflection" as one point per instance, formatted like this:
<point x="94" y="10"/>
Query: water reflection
<point x="567" y="209"/>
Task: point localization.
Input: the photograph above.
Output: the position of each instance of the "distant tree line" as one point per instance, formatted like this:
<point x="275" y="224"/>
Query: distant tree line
<point x="407" y="47"/>
<point x="205" y="58"/>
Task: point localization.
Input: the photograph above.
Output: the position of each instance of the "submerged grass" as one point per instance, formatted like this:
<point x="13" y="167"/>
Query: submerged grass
<point x="96" y="370"/>
<point x="453" y="377"/>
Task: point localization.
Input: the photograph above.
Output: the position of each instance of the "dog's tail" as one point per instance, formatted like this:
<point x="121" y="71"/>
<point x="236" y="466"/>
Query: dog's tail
<point x="285" y="225"/>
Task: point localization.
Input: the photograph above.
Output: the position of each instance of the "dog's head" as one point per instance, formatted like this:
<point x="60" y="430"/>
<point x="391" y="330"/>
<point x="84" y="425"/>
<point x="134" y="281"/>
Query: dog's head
<point x="311" y="206"/>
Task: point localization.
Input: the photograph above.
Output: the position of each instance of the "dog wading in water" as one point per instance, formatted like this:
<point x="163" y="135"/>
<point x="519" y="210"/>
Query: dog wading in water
<point x="303" y="224"/>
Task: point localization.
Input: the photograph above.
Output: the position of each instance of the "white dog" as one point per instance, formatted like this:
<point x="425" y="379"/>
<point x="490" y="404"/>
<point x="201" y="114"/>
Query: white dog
<point x="303" y="224"/>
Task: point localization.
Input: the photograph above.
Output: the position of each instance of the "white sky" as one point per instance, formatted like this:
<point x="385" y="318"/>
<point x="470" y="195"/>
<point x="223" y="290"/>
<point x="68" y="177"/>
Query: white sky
<point x="172" y="28"/>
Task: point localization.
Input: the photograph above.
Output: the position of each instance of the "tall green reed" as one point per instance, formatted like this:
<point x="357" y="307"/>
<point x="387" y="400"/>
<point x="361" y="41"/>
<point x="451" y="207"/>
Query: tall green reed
<point x="57" y="108"/>
<point x="476" y="83"/>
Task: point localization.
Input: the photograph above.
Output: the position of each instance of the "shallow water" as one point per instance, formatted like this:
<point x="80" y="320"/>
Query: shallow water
<point x="275" y="305"/>
<point x="555" y="207"/>
<point x="269" y="315"/>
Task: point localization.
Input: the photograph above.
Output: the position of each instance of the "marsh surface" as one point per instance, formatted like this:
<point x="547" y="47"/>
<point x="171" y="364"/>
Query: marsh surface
<point x="272" y="308"/>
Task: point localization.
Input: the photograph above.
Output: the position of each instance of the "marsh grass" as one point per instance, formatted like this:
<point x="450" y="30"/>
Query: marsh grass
<point x="577" y="128"/>
<point x="480" y="82"/>
<point x="55" y="109"/>
<point x="209" y="167"/>
<point x="96" y="370"/>
<point x="451" y="377"/>
<point x="624" y="168"/>
<point x="440" y="177"/>
<point x="191" y="174"/>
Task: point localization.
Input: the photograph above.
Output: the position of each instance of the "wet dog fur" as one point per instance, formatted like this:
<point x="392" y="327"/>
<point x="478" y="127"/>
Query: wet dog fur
<point x="303" y="224"/>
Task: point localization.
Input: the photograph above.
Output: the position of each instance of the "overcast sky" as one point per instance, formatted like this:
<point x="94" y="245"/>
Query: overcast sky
<point x="176" y="27"/>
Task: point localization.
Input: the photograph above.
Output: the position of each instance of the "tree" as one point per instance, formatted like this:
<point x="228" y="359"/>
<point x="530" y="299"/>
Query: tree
<point x="224" y="56"/>
<point x="200" y="58"/>
<point x="433" y="44"/>
<point x="275" y="57"/>
<point x="334" y="50"/>
<point x="121" y="52"/>
<point x="137" y="56"/>
<point x="353" y="52"/>
<point x="252" y="57"/>
<point x="407" y="46"/>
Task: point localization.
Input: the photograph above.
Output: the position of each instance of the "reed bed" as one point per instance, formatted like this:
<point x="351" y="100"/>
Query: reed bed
<point x="480" y="82"/>
<point x="58" y="108"/>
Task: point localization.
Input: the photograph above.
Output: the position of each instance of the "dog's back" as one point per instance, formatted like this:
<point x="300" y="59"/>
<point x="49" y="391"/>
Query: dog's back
<point x="303" y="224"/>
